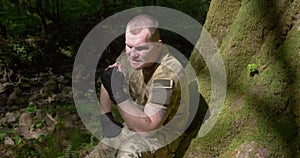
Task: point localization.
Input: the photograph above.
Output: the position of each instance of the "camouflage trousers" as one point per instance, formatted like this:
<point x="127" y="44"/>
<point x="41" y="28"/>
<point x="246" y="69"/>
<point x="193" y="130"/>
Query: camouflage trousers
<point x="130" y="145"/>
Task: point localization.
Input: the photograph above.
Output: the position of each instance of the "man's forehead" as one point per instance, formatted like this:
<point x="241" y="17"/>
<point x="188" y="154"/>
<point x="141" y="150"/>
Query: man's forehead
<point x="136" y="38"/>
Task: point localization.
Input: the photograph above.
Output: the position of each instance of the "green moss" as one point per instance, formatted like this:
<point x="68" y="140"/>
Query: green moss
<point x="220" y="16"/>
<point x="263" y="109"/>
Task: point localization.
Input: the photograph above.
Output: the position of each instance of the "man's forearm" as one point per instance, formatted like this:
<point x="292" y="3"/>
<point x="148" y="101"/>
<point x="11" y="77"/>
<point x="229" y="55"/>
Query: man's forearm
<point x="136" y="118"/>
<point x="105" y="102"/>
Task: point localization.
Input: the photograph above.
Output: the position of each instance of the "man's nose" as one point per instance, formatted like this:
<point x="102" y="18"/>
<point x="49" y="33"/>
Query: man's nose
<point x="133" y="53"/>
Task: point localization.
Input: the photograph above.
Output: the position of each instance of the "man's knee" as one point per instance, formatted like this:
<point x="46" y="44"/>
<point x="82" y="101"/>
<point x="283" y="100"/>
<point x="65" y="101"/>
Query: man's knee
<point x="102" y="151"/>
<point x="127" y="154"/>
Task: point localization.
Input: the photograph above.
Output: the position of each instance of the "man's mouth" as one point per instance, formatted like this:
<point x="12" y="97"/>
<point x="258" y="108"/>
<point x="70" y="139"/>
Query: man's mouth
<point x="135" y="61"/>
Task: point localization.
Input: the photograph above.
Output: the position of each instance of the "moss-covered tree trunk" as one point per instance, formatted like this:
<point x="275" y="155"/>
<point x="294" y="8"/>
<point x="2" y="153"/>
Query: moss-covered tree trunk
<point x="261" y="115"/>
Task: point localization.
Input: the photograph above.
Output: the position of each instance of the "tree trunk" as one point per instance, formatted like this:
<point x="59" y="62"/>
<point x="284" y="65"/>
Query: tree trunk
<point x="260" y="117"/>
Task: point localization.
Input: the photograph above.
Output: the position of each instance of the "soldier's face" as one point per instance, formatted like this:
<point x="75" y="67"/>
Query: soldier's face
<point x="141" y="53"/>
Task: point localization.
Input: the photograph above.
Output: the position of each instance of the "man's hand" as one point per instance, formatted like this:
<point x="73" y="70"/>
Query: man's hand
<point x="114" y="82"/>
<point x="111" y="128"/>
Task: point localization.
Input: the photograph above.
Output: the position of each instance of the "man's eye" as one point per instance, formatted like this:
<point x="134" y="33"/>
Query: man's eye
<point x="142" y="48"/>
<point x="129" y="46"/>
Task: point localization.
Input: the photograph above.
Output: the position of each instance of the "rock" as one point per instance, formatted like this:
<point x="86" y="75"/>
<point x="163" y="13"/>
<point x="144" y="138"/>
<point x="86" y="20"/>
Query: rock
<point x="17" y="91"/>
<point x="25" y="120"/>
<point x="49" y="88"/>
<point x="38" y="99"/>
<point x="67" y="90"/>
<point x="246" y="150"/>
<point x="61" y="86"/>
<point x="24" y="83"/>
<point x="40" y="102"/>
<point x="67" y="79"/>
<point x="11" y="117"/>
<point x="22" y="100"/>
<point x="61" y="97"/>
<point x="3" y="121"/>
<point x="16" y="98"/>
<point x="6" y="86"/>
<point x="60" y="78"/>
<point x="14" y="107"/>
<point x="4" y="108"/>
<point x="35" y="97"/>
<point x="50" y="121"/>
<point x="68" y="124"/>
<point x="40" y="114"/>
<point x="50" y="99"/>
<point x="3" y="99"/>
<point x="65" y="95"/>
<point x="9" y="141"/>
<point x="52" y="76"/>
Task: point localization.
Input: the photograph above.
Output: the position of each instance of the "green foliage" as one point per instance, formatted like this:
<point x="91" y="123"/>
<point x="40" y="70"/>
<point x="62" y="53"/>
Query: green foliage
<point x="17" y="139"/>
<point x="31" y="109"/>
<point x="76" y="8"/>
<point x="39" y="124"/>
<point x="21" y="52"/>
<point x="4" y="59"/>
<point x="196" y="9"/>
<point x="12" y="134"/>
<point x="252" y="69"/>
<point x="63" y="141"/>
<point x="17" y="54"/>
<point x="70" y="108"/>
<point x="30" y="148"/>
<point x="17" y="22"/>
<point x="36" y="28"/>
<point x="2" y="135"/>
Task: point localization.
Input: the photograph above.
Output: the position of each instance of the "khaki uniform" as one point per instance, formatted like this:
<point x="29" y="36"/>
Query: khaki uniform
<point x="169" y="74"/>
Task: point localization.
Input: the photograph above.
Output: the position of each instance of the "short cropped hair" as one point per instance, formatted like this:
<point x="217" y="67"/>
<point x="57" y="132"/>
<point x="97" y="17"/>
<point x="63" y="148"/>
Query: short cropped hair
<point x="140" y="22"/>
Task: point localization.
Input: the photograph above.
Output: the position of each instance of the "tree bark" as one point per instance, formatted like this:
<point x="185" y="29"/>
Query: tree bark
<point x="261" y="113"/>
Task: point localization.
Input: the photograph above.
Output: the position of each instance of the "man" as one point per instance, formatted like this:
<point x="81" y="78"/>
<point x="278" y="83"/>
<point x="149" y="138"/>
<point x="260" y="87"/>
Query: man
<point x="149" y="88"/>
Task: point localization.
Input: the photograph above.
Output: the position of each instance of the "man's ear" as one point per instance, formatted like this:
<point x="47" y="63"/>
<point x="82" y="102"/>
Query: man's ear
<point x="159" y="42"/>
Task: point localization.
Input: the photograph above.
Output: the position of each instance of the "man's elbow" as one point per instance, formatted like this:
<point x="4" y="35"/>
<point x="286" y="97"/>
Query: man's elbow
<point x="148" y="125"/>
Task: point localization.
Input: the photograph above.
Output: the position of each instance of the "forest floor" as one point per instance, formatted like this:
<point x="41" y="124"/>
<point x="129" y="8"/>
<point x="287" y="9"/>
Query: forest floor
<point x="39" y="119"/>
